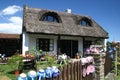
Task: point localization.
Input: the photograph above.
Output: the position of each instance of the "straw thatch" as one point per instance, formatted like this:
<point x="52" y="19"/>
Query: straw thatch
<point x="68" y="24"/>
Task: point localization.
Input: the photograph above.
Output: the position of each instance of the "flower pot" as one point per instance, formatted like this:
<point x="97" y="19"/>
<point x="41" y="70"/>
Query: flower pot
<point x="16" y="72"/>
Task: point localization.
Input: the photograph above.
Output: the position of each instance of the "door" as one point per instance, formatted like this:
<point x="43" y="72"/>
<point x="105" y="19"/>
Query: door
<point x="70" y="47"/>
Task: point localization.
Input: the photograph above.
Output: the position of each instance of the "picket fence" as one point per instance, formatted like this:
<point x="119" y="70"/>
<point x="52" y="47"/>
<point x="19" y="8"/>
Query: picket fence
<point x="73" y="71"/>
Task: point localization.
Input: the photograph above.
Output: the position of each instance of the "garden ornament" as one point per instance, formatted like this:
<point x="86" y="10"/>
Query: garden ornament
<point x="32" y="75"/>
<point x="22" y="76"/>
<point x="48" y="72"/>
<point x="41" y="74"/>
<point x="55" y="71"/>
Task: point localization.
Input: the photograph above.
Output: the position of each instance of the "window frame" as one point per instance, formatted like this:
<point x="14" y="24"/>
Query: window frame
<point x="85" y="22"/>
<point x="54" y="16"/>
<point x="49" y="45"/>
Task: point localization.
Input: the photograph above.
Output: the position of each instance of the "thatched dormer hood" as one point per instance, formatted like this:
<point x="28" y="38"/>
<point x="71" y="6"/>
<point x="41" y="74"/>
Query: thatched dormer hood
<point x="68" y="24"/>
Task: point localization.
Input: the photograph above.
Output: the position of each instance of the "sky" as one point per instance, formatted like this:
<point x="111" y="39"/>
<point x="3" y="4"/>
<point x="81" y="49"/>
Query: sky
<point x="105" y="12"/>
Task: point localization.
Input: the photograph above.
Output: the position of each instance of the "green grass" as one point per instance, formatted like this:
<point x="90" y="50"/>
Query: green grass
<point x="8" y="70"/>
<point x="117" y="78"/>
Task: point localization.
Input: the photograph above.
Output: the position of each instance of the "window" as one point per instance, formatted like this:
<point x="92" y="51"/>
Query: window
<point x="45" y="44"/>
<point x="50" y="18"/>
<point x="85" y="22"/>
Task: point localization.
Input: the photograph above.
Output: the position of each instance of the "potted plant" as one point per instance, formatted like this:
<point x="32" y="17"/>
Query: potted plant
<point x="16" y="61"/>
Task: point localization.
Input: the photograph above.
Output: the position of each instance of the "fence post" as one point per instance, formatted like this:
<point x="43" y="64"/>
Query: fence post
<point x="75" y="71"/>
<point x="78" y="72"/>
<point x="68" y="72"/>
<point x="64" y="72"/>
<point x="61" y="72"/>
<point x="80" y="68"/>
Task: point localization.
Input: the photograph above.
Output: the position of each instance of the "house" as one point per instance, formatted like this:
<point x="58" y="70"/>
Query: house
<point x="9" y="43"/>
<point x="59" y="32"/>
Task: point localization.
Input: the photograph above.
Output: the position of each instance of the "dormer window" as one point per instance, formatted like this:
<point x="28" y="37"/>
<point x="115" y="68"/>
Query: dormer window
<point x="50" y="17"/>
<point x="85" y="22"/>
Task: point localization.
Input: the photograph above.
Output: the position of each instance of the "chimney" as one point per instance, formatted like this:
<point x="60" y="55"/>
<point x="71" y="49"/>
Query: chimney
<point x="68" y="10"/>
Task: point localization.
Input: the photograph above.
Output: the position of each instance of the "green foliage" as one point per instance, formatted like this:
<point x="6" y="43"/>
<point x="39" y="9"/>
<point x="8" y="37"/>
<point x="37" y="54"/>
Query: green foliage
<point x="35" y="52"/>
<point x="117" y="78"/>
<point x="98" y="42"/>
<point x="16" y="60"/>
<point x="115" y="47"/>
<point x="50" y="59"/>
<point x="7" y="70"/>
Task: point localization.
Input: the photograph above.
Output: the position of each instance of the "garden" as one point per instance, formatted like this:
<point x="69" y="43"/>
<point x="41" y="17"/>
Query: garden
<point x="46" y="66"/>
<point x="36" y="65"/>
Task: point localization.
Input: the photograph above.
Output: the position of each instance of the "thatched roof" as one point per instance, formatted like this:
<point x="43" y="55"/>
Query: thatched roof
<point x="68" y="24"/>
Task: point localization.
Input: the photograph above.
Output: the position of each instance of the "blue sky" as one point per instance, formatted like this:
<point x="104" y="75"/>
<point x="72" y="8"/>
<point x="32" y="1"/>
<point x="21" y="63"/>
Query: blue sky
<point x="105" y="12"/>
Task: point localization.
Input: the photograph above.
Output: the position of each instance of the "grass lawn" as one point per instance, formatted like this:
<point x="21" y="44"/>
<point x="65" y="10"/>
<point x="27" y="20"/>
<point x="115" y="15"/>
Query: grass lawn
<point x="117" y="78"/>
<point x="8" y="71"/>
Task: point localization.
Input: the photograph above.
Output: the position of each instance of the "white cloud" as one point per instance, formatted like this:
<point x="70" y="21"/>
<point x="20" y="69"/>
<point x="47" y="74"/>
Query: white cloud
<point x="15" y="20"/>
<point x="12" y="24"/>
<point x="10" y="10"/>
<point x="15" y="25"/>
<point x="10" y="28"/>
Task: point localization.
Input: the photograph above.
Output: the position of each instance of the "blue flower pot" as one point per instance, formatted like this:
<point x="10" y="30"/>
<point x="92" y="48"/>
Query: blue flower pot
<point x="48" y="72"/>
<point x="41" y="74"/>
<point x="55" y="71"/>
<point x="32" y="75"/>
<point x="22" y="76"/>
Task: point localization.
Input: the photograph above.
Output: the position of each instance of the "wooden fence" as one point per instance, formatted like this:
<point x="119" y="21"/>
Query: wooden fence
<point x="72" y="71"/>
<point x="108" y="64"/>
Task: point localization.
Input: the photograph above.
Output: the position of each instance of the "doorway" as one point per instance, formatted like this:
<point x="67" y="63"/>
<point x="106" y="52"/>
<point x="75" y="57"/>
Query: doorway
<point x="70" y="47"/>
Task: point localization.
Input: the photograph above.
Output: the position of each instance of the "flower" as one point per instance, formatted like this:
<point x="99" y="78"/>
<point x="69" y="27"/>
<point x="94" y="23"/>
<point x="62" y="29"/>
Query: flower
<point x="84" y="61"/>
<point x="90" y="59"/>
<point x="88" y="51"/>
<point x="90" y="69"/>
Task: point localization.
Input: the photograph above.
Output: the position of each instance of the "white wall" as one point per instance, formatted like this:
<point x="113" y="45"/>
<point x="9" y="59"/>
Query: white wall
<point x="31" y="41"/>
<point x="33" y="38"/>
<point x="25" y="41"/>
<point x="105" y="43"/>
